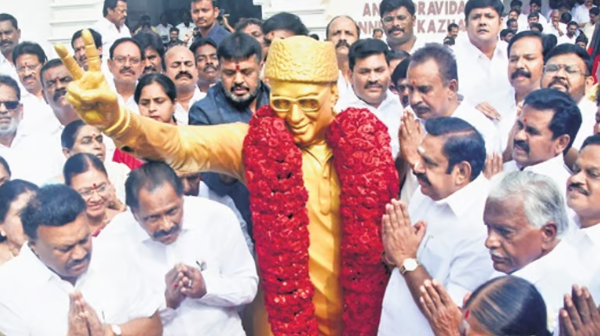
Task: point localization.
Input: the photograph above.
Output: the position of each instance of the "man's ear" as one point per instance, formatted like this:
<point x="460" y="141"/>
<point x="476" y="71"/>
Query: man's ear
<point x="463" y="175"/>
<point x="549" y="234"/>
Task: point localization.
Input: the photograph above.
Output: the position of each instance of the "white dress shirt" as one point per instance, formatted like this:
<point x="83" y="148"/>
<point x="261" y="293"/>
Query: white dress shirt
<point x="211" y="235"/>
<point x="389" y="112"/>
<point x="581" y="14"/>
<point x="550" y="29"/>
<point x="164" y="32"/>
<point x="34" y="301"/>
<point x="206" y="192"/>
<point x="467" y="112"/>
<point x="184" y="31"/>
<point x="182" y="115"/>
<point x="587" y="241"/>
<point x="345" y="89"/>
<point x="452" y="252"/>
<point x="554" y="168"/>
<point x="32" y="157"/>
<point x="482" y="79"/>
<point x="553" y="275"/>
<point x="588" y="110"/>
<point x="566" y="39"/>
<point x="110" y="34"/>
<point x="38" y="117"/>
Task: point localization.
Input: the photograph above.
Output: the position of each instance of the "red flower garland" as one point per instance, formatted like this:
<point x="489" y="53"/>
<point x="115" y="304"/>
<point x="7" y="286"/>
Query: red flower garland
<point x="361" y="157"/>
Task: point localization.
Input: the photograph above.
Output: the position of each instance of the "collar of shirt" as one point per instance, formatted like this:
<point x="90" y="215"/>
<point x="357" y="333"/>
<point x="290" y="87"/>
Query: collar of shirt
<point x="458" y="202"/>
<point x="593" y="233"/>
<point x="500" y="51"/>
<point x="552" y="165"/>
<point x="182" y="115"/>
<point x="111" y="26"/>
<point x="537" y="270"/>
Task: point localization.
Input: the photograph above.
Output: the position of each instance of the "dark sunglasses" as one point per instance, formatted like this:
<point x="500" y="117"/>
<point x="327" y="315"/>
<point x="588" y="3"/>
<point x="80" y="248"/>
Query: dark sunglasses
<point x="10" y="104"/>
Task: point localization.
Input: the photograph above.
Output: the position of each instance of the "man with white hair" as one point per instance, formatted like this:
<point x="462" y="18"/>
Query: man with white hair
<point x="526" y="219"/>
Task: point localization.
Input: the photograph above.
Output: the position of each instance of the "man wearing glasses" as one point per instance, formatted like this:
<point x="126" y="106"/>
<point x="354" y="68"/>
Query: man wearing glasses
<point x="125" y="64"/>
<point x="398" y="20"/>
<point x="20" y="147"/>
<point x="568" y="69"/>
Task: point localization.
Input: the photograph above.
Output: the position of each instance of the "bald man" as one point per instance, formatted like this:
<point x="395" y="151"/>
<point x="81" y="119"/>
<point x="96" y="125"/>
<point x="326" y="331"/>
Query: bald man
<point x="181" y="68"/>
<point x="343" y="31"/>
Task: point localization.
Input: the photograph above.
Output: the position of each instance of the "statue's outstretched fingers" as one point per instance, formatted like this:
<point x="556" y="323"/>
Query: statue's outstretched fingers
<point x="94" y="62"/>
<point x="69" y="61"/>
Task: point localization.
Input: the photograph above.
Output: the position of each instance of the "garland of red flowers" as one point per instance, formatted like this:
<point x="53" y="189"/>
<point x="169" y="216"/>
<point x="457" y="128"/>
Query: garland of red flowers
<point x="361" y="157"/>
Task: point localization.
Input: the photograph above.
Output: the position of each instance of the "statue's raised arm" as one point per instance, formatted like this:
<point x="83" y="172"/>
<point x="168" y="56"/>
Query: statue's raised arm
<point x="185" y="148"/>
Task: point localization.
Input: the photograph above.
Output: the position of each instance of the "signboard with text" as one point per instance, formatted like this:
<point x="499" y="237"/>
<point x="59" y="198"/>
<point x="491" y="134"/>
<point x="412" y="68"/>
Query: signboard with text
<point x="432" y="16"/>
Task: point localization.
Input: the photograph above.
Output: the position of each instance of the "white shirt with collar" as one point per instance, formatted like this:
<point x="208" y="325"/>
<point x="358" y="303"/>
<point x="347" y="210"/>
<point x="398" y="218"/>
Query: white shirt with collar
<point x="566" y="39"/>
<point x="34" y="301"/>
<point x="467" y="112"/>
<point x="164" y="32"/>
<point x="6" y="68"/>
<point x="110" y="34"/>
<point x="181" y="115"/>
<point x="129" y="103"/>
<point x="38" y="117"/>
<point x="33" y="157"/>
<point x="587" y="241"/>
<point x="482" y="79"/>
<point x="345" y="89"/>
<point x="390" y="112"/>
<point x="452" y="252"/>
<point x="211" y="235"/>
<point x="554" y="168"/>
<point x="553" y="275"/>
<point x="550" y="29"/>
<point x="581" y="14"/>
<point x="588" y="111"/>
<point x="184" y="31"/>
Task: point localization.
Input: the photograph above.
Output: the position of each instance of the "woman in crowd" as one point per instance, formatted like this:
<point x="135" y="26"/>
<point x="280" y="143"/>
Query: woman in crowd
<point x="14" y="195"/>
<point x="78" y="137"/>
<point x="503" y="306"/>
<point x="156" y="96"/>
<point x="85" y="173"/>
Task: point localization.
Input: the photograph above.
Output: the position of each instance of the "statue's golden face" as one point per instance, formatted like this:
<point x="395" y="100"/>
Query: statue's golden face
<point x="307" y="109"/>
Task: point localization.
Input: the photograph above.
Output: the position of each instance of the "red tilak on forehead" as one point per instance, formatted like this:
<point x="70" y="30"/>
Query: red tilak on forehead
<point x="237" y="66"/>
<point x="467" y="313"/>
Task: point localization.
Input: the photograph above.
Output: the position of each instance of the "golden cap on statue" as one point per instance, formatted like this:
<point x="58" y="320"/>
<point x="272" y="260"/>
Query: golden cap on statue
<point x="302" y="59"/>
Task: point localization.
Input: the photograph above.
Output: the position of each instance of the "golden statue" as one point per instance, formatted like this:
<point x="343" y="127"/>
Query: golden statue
<point x="318" y="185"/>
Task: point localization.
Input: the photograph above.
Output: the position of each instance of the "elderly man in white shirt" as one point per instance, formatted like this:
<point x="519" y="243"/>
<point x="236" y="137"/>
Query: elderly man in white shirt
<point x="181" y="69"/>
<point x="527" y="223"/>
<point x="58" y="286"/>
<point x="545" y="130"/>
<point x="441" y="235"/>
<point x="126" y="64"/>
<point x="343" y="32"/>
<point x="190" y="249"/>
<point x="555" y="27"/>
<point x="482" y="57"/>
<point x="371" y="81"/>
<point x="32" y="157"/>
<point x="568" y="68"/>
<point x="112" y="26"/>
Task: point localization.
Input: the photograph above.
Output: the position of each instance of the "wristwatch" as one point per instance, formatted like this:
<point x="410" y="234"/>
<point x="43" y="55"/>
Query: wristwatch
<point x="115" y="329"/>
<point x="409" y="265"/>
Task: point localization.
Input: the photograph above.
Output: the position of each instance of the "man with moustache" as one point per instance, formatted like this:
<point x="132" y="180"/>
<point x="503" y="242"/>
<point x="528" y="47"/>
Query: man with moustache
<point x="544" y="132"/>
<point x="555" y="27"/>
<point x="571" y="35"/>
<point x="370" y="74"/>
<point x="112" y="26"/>
<point x="400" y="82"/>
<point x="482" y="57"/>
<point x="235" y="98"/>
<point x="37" y="116"/>
<point x="440" y="235"/>
<point x="398" y="20"/>
<point x="343" y="31"/>
<point x="10" y="34"/>
<point x="433" y="91"/>
<point x="253" y="27"/>
<point x="568" y="68"/>
<point x="583" y="197"/>
<point x="126" y="63"/>
<point x="19" y="143"/>
<point x="189" y="248"/>
<point x="204" y="15"/>
<point x="154" y="52"/>
<point x="207" y="63"/>
<point x="181" y="69"/>
<point x="525" y="68"/>
<point x="59" y="285"/>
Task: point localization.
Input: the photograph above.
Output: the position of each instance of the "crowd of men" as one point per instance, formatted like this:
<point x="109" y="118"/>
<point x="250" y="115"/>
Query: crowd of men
<point x="495" y="133"/>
